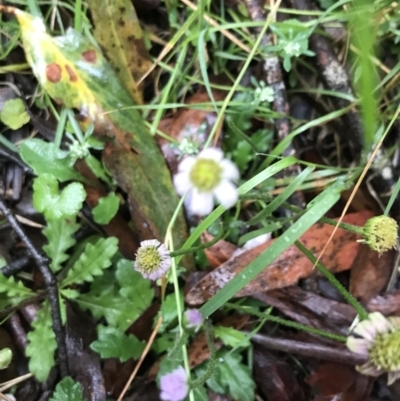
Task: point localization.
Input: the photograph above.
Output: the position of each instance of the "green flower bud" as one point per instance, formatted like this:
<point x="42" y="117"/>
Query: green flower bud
<point x="380" y="233"/>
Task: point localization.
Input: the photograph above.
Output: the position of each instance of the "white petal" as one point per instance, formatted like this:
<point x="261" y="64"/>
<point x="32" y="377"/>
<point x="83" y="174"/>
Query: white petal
<point x="186" y="164"/>
<point x="358" y="345"/>
<point x="229" y="170"/>
<point x="150" y="242"/>
<point x="393" y="376"/>
<point x="182" y="183"/>
<point x="212" y="153"/>
<point x="381" y="323"/>
<point x="200" y="203"/>
<point x="369" y="369"/>
<point x="226" y="193"/>
<point x="366" y="329"/>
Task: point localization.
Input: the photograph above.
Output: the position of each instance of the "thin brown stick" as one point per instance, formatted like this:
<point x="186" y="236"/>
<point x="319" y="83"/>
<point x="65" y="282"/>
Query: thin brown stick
<point x="142" y="357"/>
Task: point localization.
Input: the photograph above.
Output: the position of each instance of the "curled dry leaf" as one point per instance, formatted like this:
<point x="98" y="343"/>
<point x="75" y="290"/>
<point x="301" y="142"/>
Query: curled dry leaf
<point x="290" y="266"/>
<point x="219" y="252"/>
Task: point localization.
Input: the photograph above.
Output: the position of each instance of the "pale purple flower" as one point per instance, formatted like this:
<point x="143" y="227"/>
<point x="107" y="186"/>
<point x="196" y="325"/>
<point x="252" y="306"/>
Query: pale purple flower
<point x="205" y="177"/>
<point x="378" y="338"/>
<point x="193" y="319"/>
<point x="153" y="259"/>
<point x="174" y="386"/>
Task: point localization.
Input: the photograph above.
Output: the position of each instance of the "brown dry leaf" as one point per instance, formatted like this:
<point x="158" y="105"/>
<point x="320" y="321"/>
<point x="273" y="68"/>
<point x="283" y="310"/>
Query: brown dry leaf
<point x="275" y="377"/>
<point x="192" y="124"/>
<point x="310" y="309"/>
<point x="335" y="381"/>
<point x="370" y="273"/>
<point x="290" y="266"/>
<point x="219" y="252"/>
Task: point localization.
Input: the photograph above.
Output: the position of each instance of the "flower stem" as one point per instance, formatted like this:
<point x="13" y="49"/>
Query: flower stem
<point x="286" y="323"/>
<point x="335" y="282"/>
<point x="346" y="226"/>
<point x="199" y="247"/>
<point x="211" y="364"/>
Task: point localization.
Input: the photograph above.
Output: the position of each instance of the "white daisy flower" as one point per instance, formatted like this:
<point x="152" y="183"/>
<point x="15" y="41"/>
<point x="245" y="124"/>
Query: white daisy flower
<point x="205" y="177"/>
<point x="153" y="259"/>
<point x="378" y="338"/>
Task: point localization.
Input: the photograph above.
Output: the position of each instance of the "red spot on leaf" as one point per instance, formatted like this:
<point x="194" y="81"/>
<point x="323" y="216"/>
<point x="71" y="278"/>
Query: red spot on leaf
<point x="71" y="73"/>
<point x="53" y="72"/>
<point x="89" y="56"/>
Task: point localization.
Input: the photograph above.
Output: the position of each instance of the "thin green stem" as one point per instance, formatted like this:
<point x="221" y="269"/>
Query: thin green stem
<point x="333" y="280"/>
<point x="287" y="323"/>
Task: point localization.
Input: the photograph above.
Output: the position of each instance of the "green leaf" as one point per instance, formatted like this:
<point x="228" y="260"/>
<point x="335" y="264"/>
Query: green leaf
<point x="231" y="337"/>
<point x="5" y="357"/>
<point x="92" y="261"/>
<point x="14" y="288"/>
<point x="134" y="288"/>
<point x="233" y="378"/>
<point x="53" y="205"/>
<point x="42" y="344"/>
<point x="14" y="114"/>
<point x="42" y="156"/>
<point x="113" y="343"/>
<point x="110" y="306"/>
<point x="106" y="209"/>
<point x="59" y="233"/>
<point x="68" y="390"/>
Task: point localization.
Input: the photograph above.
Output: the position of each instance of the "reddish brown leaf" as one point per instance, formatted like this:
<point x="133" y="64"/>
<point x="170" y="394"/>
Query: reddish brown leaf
<point x="335" y="381"/>
<point x="370" y="273"/>
<point x="219" y="252"/>
<point x="290" y="266"/>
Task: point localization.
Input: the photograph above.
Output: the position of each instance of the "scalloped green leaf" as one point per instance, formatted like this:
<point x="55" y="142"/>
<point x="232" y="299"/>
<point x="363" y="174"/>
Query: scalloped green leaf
<point x="68" y="390"/>
<point x="113" y="343"/>
<point x="92" y="261"/>
<point x="39" y="155"/>
<point x="14" y="288"/>
<point x="42" y="344"/>
<point x="14" y="114"/>
<point x="60" y="234"/>
<point x="106" y="209"/>
<point x="53" y="205"/>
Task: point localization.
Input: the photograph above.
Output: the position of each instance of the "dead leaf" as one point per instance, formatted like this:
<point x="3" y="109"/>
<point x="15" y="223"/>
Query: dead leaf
<point x="118" y="32"/>
<point x="290" y="266"/>
<point x="370" y="273"/>
<point x="219" y="252"/>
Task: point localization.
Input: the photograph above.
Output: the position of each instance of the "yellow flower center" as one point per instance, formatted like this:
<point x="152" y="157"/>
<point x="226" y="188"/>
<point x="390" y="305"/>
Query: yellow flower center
<point x="148" y="259"/>
<point x="385" y="351"/>
<point x="205" y="175"/>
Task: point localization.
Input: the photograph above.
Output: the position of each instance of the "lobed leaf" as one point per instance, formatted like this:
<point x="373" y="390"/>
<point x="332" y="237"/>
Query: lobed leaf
<point x="42" y="344"/>
<point x="59" y="233"/>
<point x="113" y="343"/>
<point x="39" y="155"/>
<point x="14" y="288"/>
<point x="68" y="390"/>
<point x="53" y="205"/>
<point x="233" y="377"/>
<point x="106" y="209"/>
<point x="92" y="261"/>
<point x="14" y="114"/>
